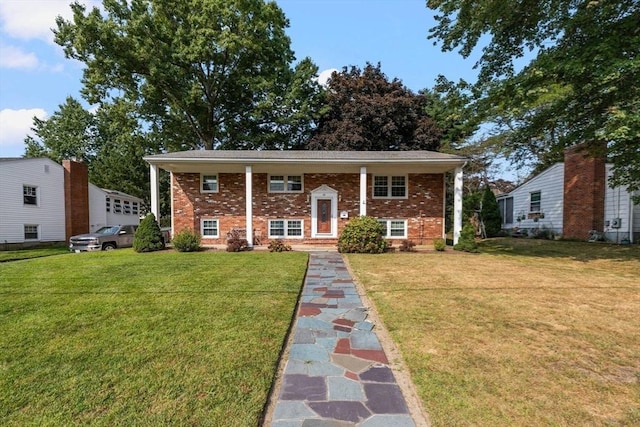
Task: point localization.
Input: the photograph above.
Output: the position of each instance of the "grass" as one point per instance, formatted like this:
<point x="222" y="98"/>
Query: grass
<point x="165" y="338"/>
<point x="16" y="255"/>
<point x="528" y="332"/>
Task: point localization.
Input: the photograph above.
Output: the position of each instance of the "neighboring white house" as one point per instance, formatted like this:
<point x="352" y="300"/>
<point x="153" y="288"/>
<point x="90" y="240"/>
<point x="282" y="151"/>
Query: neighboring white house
<point x="541" y="203"/>
<point x="38" y="195"/>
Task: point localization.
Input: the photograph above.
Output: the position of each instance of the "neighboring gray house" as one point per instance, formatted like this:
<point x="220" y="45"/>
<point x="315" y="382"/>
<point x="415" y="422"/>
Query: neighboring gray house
<point x="571" y="199"/>
<point x="43" y="201"/>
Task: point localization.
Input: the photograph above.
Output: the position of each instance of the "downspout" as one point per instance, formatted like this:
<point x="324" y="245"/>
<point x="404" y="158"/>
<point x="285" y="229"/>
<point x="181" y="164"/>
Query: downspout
<point x="630" y="217"/>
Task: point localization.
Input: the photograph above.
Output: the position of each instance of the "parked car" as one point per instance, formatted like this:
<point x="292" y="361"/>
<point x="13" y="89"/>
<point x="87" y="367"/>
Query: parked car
<point x="104" y="239"/>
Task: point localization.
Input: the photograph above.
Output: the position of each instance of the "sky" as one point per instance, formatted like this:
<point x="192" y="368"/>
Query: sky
<point x="35" y="76"/>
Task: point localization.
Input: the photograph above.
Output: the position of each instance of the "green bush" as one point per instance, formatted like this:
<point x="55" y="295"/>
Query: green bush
<point x="148" y="237"/>
<point x="467" y="240"/>
<point x="186" y="241"/>
<point x="490" y="213"/>
<point x="439" y="245"/>
<point x="363" y="235"/>
<point x="278" y="245"/>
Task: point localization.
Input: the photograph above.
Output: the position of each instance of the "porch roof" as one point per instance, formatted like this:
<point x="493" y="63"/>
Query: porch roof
<point x="311" y="161"/>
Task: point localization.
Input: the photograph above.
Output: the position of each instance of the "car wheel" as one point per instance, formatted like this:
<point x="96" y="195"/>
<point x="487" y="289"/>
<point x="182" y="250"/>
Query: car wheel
<point x="108" y="247"/>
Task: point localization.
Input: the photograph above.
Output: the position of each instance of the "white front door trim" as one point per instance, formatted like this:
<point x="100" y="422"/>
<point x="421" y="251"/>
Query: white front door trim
<point x="324" y="192"/>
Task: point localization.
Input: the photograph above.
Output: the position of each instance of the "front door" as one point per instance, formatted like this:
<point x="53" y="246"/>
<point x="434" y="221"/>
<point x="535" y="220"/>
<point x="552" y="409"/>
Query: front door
<point x="324" y="216"/>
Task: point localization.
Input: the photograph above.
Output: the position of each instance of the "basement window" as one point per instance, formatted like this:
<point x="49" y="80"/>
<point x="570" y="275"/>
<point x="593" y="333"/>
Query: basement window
<point x="30" y="232"/>
<point x="209" y="228"/>
<point x="289" y="228"/>
<point x="394" y="228"/>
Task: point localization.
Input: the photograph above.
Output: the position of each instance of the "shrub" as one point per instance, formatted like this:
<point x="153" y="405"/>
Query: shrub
<point x="439" y="245"/>
<point x="407" y="246"/>
<point x="467" y="240"/>
<point x="186" y="241"/>
<point x="148" y="237"/>
<point x="362" y="235"/>
<point x="278" y="245"/>
<point x="490" y="213"/>
<point x="235" y="242"/>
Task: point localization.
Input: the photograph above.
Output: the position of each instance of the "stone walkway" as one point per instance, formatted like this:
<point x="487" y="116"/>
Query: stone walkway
<point x="337" y="373"/>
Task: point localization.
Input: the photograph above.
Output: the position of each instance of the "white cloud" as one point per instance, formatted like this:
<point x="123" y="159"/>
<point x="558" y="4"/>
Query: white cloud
<point x="14" y="57"/>
<point x="324" y="76"/>
<point x="15" y="125"/>
<point x="34" y="19"/>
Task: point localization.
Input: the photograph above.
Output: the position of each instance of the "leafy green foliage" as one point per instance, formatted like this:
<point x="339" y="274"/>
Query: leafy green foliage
<point x="148" y="237"/>
<point x="362" y="234"/>
<point x="186" y="241"/>
<point x="368" y="112"/>
<point x="467" y="240"/>
<point x="203" y="73"/>
<point x="490" y="213"/>
<point x="582" y="86"/>
<point x="439" y="245"/>
<point x="277" y="245"/>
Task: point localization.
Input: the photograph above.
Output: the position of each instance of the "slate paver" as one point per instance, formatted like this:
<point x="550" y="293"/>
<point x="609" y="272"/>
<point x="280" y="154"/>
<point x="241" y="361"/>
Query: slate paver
<point x="337" y="374"/>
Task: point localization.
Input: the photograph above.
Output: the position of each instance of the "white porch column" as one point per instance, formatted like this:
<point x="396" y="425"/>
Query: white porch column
<point x="363" y="191"/>
<point x="155" y="191"/>
<point x="457" y="205"/>
<point x="249" y="204"/>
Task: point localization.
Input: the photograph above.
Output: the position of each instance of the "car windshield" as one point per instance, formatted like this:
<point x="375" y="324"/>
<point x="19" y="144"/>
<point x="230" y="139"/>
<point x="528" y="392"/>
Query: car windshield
<point x="107" y="230"/>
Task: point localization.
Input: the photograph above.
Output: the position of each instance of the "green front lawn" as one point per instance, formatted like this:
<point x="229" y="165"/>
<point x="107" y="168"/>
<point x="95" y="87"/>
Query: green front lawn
<point x="166" y="338"/>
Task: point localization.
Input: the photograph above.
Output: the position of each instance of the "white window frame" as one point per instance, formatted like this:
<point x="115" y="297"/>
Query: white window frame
<point x="386" y="223"/>
<point x="287" y="228"/>
<point x="126" y="207"/>
<point x="135" y="209"/>
<point x="35" y="191"/>
<point x="108" y="204"/>
<point x="203" y="228"/>
<point x="37" y="228"/>
<point x="202" y="182"/>
<point x="285" y="178"/>
<point x="390" y="186"/>
<point x="539" y="202"/>
<point x="117" y="206"/>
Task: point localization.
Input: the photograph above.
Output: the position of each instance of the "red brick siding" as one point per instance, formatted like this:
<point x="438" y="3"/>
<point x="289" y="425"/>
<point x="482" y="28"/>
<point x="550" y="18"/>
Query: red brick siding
<point x="422" y="209"/>
<point x="76" y="198"/>
<point x="584" y="191"/>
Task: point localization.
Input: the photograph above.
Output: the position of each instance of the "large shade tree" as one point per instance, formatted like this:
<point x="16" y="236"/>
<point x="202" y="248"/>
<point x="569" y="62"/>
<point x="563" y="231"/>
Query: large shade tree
<point x="201" y="72"/>
<point x="582" y="85"/>
<point x="366" y="111"/>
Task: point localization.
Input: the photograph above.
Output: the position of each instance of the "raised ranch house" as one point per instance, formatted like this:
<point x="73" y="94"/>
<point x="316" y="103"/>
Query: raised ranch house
<point x="45" y="202"/>
<point x="571" y="199"/>
<point x="307" y="197"/>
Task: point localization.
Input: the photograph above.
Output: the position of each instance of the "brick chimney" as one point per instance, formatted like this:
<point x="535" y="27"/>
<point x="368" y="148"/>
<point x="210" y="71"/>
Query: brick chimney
<point x="76" y="198"/>
<point x="584" y="190"/>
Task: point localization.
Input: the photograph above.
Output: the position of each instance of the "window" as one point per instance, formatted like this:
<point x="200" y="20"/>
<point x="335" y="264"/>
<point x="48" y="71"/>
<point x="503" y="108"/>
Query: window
<point x="506" y="209"/>
<point x="117" y="206"/>
<point x="108" y="204"/>
<point x="535" y="205"/>
<point x="280" y="228"/>
<point x="134" y="208"/>
<point x="30" y="195"/>
<point x="209" y="228"/>
<point x="127" y="207"/>
<point x="30" y="232"/>
<point x="285" y="183"/>
<point x="394" y="228"/>
<point x="390" y="186"/>
<point x="208" y="183"/>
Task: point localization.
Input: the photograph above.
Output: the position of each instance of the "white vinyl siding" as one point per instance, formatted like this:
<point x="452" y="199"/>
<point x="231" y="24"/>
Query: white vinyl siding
<point x="47" y="177"/>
